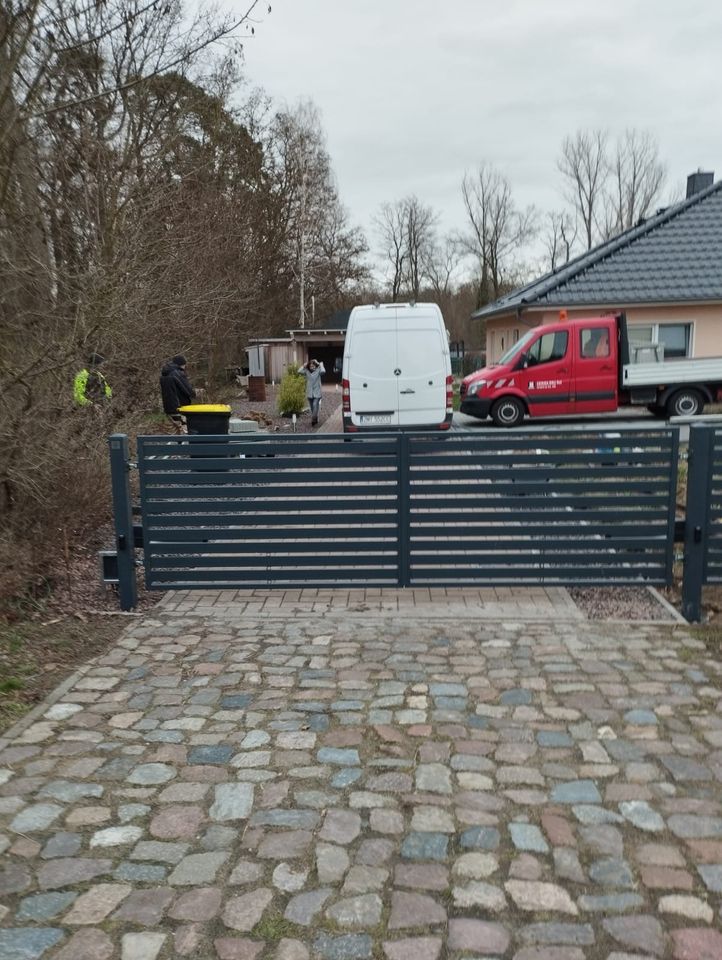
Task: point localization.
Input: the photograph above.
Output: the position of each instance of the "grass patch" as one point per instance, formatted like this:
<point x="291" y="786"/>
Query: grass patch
<point x="36" y="654"/>
<point x="711" y="636"/>
<point x="274" y="927"/>
<point x="456" y="397"/>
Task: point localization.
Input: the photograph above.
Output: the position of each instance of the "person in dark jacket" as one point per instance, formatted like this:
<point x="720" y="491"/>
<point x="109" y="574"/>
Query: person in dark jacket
<point x="176" y="390"/>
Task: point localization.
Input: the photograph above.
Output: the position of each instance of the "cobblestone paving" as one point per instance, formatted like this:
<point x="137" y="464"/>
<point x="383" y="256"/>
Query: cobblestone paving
<point x="354" y="786"/>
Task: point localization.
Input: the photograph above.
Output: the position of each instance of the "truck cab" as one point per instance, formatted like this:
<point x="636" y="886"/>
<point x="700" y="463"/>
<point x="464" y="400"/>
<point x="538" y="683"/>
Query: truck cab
<point x="569" y="367"/>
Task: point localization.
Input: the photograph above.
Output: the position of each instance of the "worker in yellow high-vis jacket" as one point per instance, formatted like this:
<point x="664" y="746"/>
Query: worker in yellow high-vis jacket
<point x="90" y="388"/>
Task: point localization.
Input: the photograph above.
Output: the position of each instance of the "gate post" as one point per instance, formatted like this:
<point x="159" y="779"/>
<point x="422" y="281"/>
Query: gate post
<point x="123" y="519"/>
<point x="404" y="488"/>
<point x="699" y="476"/>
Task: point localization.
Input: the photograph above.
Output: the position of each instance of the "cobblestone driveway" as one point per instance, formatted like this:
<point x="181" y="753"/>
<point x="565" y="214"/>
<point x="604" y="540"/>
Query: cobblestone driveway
<point x="357" y="785"/>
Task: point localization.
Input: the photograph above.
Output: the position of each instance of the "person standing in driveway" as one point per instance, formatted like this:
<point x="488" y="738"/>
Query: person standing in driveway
<point x="313" y="371"/>
<point x="176" y="389"/>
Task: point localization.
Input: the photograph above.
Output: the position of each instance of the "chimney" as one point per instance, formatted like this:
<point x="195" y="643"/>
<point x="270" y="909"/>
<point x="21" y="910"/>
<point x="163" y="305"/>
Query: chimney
<point x="696" y="182"/>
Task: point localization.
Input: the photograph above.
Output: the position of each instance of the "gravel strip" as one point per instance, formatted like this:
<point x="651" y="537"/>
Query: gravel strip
<point x="619" y="603"/>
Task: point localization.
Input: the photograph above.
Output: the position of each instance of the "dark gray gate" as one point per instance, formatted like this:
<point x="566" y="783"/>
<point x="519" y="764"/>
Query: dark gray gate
<point x="571" y="507"/>
<point x="295" y="511"/>
<point x="565" y="507"/>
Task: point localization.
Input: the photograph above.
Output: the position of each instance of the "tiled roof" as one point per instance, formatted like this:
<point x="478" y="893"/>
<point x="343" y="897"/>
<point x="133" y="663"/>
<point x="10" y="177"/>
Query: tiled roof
<point x="674" y="256"/>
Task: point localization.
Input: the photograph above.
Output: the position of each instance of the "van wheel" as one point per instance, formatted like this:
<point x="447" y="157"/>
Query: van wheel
<point x="507" y="412"/>
<point x="685" y="403"/>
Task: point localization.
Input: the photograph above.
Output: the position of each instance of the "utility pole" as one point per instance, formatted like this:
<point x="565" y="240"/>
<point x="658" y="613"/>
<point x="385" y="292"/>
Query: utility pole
<point x="302" y="269"/>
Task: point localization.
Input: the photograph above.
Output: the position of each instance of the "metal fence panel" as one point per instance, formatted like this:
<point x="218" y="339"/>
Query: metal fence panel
<point x="568" y="507"/>
<point x="269" y="512"/>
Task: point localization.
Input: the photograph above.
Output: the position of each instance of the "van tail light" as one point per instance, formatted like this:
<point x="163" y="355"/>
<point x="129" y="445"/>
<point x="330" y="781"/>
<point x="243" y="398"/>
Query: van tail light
<point x="449" y="394"/>
<point x="346" y="395"/>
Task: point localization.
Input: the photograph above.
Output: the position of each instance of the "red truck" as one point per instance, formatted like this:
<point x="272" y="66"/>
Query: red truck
<point x="584" y="366"/>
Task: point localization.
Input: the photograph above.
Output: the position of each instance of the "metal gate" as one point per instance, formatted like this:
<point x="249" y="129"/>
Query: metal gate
<point x="563" y="507"/>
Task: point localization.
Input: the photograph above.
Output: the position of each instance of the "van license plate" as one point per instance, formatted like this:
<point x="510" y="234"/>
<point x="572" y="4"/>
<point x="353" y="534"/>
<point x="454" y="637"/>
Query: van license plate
<point x="368" y="418"/>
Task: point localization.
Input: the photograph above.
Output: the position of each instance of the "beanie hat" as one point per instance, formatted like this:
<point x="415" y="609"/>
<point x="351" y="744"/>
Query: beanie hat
<point x="179" y="360"/>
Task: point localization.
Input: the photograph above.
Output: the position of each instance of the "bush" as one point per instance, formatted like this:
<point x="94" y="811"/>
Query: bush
<point x="292" y="392"/>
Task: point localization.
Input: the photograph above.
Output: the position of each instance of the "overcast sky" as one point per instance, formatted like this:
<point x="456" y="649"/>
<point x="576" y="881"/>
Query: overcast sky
<point x="412" y="92"/>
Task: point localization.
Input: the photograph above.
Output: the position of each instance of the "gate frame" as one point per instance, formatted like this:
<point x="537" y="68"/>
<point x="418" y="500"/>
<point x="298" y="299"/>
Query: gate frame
<point x="695" y="531"/>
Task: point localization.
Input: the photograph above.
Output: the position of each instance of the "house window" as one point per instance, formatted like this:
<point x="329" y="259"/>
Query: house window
<point x="675" y="337"/>
<point x="516" y="335"/>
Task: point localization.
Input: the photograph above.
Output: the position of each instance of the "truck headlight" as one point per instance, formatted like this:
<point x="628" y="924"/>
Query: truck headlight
<point x="475" y="387"/>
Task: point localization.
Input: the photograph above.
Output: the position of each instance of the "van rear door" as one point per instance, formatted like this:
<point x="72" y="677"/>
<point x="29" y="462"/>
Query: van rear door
<point x="372" y="383"/>
<point x="422" y="370"/>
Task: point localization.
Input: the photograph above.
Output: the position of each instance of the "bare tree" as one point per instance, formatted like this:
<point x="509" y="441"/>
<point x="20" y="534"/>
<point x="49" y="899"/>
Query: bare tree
<point x="584" y="167"/>
<point x="637" y="179"/>
<point x="420" y="235"/>
<point x="138" y="215"/>
<point x="559" y="238"/>
<point x="407" y="231"/>
<point x="390" y="224"/>
<point x="440" y="265"/>
<point x="497" y="229"/>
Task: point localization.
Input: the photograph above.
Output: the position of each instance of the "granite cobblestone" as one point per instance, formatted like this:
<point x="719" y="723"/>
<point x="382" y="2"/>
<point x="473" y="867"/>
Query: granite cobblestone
<point x="369" y="786"/>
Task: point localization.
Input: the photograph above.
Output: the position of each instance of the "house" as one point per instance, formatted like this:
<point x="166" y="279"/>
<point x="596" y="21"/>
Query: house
<point x="271" y="356"/>
<point x="665" y="273"/>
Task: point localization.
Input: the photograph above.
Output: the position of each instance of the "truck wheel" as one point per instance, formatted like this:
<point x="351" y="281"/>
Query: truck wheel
<point x="685" y="403"/>
<point x="507" y="412"/>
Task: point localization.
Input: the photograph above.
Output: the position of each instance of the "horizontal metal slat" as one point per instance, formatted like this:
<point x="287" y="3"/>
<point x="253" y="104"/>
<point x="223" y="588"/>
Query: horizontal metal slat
<point x="505" y="554"/>
<point x="497" y="541"/>
<point x="272" y="561"/>
<point x="505" y="526"/>
<point x="585" y="459"/>
<point x="331" y="523"/>
<point x="313" y="475"/>
<point x="660" y="438"/>
<point x="540" y="474"/>
<point x="233" y="507"/>
<point x="369" y="577"/>
<point x="574" y="576"/>
<point x="245" y="540"/>
<point x="521" y="486"/>
<point x="265" y="445"/>
<point x="549" y="502"/>
<point x="219" y="492"/>
<point x="257" y="547"/>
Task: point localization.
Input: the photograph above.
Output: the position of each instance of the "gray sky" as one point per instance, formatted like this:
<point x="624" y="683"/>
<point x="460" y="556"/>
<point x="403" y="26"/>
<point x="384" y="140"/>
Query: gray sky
<point x="412" y="93"/>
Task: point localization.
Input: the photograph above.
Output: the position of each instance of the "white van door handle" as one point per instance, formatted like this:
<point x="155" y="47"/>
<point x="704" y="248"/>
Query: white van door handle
<point x="407" y="391"/>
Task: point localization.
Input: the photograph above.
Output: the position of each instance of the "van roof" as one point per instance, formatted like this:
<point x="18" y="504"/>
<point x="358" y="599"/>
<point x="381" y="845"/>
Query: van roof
<point x="396" y="306"/>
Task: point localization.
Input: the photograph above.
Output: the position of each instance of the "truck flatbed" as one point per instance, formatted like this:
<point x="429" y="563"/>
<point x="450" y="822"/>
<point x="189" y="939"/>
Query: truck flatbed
<point x="708" y="369"/>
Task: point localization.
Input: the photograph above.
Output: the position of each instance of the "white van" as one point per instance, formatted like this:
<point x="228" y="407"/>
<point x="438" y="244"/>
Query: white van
<point x="397" y="369"/>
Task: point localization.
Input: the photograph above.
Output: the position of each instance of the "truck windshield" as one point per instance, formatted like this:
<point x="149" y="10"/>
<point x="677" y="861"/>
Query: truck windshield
<point x="513" y="351"/>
